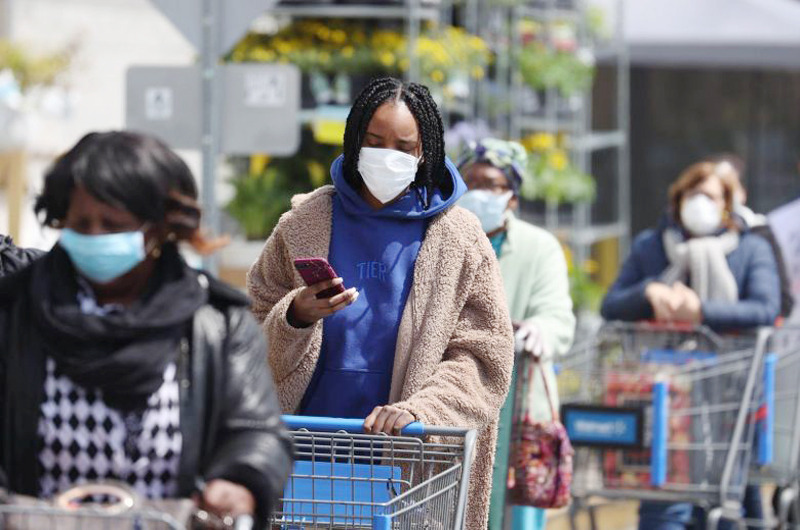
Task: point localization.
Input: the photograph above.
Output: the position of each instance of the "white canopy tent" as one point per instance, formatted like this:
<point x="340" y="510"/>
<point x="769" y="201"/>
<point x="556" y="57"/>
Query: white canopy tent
<point x="729" y="33"/>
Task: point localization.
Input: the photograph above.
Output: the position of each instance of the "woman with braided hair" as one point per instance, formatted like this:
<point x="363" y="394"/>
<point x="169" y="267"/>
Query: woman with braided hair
<point x="422" y="331"/>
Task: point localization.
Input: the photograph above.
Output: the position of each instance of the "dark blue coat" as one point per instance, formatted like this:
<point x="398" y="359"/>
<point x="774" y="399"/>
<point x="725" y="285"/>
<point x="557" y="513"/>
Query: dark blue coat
<point x="752" y="264"/>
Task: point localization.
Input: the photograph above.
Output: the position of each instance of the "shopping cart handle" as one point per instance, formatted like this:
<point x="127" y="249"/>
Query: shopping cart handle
<point x="319" y="423"/>
<point x="683" y="327"/>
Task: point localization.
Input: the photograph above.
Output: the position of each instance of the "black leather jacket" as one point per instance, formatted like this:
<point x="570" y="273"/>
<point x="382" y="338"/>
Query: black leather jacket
<point x="13" y="258"/>
<point x="230" y="416"/>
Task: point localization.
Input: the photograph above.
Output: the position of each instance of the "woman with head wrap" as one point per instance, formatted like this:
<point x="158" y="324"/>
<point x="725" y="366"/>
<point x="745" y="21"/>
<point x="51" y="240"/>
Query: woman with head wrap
<point x="535" y="278"/>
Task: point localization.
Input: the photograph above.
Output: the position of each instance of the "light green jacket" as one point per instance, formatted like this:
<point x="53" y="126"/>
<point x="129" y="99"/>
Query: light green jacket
<point x="537" y="288"/>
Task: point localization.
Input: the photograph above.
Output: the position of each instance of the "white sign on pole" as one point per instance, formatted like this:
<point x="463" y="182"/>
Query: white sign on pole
<point x="158" y="103"/>
<point x="265" y="89"/>
<point x="260" y="109"/>
<point x="152" y="103"/>
<point x="260" y="106"/>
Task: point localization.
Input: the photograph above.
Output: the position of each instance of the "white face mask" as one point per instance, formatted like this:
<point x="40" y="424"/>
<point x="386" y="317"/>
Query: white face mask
<point x="488" y="207"/>
<point x="386" y="172"/>
<point x="700" y="215"/>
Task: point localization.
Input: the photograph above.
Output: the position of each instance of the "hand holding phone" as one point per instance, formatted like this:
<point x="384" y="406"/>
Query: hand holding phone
<point x="324" y="295"/>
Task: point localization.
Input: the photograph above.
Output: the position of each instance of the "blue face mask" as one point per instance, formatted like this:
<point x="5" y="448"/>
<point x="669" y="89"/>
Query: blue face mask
<point x="106" y="257"/>
<point x="489" y="207"/>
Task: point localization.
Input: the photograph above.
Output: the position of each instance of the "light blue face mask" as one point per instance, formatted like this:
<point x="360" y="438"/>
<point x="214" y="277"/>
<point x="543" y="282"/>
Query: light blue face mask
<point x="488" y="207"/>
<point x="106" y="257"/>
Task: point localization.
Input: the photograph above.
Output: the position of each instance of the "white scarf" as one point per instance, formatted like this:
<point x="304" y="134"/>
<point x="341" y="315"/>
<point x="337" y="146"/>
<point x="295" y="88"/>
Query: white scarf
<point x="702" y="261"/>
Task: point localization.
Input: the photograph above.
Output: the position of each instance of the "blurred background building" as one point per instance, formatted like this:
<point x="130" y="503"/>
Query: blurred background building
<point x="612" y="98"/>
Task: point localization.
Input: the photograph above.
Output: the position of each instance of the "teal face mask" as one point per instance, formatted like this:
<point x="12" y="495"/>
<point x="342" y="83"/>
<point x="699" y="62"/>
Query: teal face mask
<point x="489" y="208"/>
<point x="106" y="257"/>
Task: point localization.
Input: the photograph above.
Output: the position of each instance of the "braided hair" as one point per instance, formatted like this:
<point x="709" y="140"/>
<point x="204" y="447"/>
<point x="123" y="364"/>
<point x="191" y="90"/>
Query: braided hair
<point x="431" y="173"/>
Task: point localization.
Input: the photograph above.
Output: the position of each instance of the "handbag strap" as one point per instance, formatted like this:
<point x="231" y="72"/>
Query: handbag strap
<point x="537" y="362"/>
<point x="525" y="384"/>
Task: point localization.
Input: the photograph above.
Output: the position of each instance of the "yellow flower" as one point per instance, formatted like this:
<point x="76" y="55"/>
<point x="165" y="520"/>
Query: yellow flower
<point x="477" y="72"/>
<point x="338" y="36"/>
<point x="404" y="64"/>
<point x="317" y="173"/>
<point x="558" y="160"/>
<point x="387" y="58"/>
<point x="323" y="33"/>
<point x="477" y="43"/>
<point x="348" y="51"/>
<point x="258" y="162"/>
<point x="262" y="55"/>
<point x="437" y="76"/>
<point x="541" y="142"/>
<point x="440" y="56"/>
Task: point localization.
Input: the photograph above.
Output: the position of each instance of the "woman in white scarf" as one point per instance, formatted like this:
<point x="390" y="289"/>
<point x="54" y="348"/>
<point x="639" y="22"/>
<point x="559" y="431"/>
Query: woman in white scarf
<point x="700" y="266"/>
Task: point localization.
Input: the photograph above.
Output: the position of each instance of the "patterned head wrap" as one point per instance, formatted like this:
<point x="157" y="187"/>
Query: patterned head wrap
<point x="509" y="157"/>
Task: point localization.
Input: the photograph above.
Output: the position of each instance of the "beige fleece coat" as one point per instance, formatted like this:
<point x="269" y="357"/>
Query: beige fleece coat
<point x="455" y="347"/>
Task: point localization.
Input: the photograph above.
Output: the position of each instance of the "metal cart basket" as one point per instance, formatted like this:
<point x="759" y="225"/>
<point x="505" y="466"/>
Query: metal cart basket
<point x="343" y="478"/>
<point x="664" y="413"/>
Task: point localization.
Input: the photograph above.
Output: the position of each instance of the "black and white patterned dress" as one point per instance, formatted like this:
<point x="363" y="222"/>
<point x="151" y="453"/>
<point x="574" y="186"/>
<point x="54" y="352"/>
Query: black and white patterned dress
<point x="82" y="439"/>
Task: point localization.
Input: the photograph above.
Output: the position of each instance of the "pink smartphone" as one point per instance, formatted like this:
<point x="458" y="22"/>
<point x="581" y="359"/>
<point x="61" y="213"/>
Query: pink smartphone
<point x="315" y="270"/>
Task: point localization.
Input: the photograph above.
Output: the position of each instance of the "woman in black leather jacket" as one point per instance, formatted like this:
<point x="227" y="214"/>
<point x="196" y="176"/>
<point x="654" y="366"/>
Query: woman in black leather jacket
<point x="118" y="361"/>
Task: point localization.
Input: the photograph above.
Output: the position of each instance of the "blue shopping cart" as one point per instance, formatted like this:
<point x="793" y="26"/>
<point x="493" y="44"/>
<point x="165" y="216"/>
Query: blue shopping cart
<point x="344" y="478"/>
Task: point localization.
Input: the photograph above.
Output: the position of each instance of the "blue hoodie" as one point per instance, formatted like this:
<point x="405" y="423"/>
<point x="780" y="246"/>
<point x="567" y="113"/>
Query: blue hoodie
<point x="374" y="251"/>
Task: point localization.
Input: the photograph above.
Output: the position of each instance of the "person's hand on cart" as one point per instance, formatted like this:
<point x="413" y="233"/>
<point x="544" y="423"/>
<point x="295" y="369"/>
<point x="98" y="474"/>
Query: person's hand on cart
<point x="387" y="419"/>
<point x="226" y="500"/>
<point x="690" y="307"/>
<point x="529" y="340"/>
<point x="676" y="303"/>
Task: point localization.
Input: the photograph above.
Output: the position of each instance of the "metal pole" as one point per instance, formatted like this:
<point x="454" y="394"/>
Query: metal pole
<point x="6" y="18"/>
<point x="516" y="89"/>
<point x="472" y="24"/>
<point x="581" y="221"/>
<point x="210" y="116"/>
<point x="413" y="37"/>
<point x="551" y="121"/>
<point x="504" y="94"/>
<point x="623" y="124"/>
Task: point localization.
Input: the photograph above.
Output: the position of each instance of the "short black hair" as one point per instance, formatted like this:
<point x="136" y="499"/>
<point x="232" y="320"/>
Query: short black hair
<point x="431" y="173"/>
<point x="127" y="170"/>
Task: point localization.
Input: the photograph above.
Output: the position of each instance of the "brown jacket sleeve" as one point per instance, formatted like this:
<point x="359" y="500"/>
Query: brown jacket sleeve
<point x="271" y="285"/>
<point x="470" y="384"/>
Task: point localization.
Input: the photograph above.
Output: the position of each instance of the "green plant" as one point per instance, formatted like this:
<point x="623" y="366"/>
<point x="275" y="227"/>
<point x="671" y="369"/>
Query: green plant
<point x="552" y="177"/>
<point x="30" y="69"/>
<point x="597" y="23"/>
<point x="586" y="293"/>
<point x="259" y="201"/>
<point x="542" y="67"/>
<point x="264" y="187"/>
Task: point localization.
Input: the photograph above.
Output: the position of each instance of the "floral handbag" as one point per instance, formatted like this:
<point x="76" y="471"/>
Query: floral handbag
<point x="540" y="471"/>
